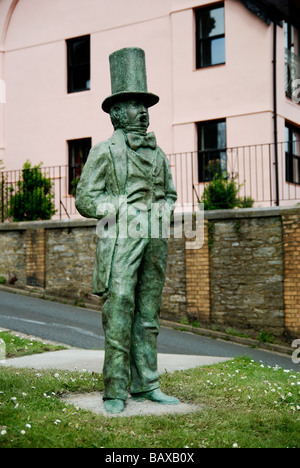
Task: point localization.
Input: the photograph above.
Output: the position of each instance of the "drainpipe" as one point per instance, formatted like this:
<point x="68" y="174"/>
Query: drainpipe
<point x="275" y="110"/>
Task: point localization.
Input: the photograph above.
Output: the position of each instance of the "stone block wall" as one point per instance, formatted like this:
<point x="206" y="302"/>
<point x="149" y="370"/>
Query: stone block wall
<point x="70" y="255"/>
<point x="13" y="254"/>
<point x="245" y="276"/>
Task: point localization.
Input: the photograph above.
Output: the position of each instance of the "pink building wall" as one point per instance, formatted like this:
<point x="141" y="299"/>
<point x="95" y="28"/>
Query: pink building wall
<point x="39" y="116"/>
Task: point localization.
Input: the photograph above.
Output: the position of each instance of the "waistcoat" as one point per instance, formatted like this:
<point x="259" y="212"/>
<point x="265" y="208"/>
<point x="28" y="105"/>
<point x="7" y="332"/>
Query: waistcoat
<point x="140" y="185"/>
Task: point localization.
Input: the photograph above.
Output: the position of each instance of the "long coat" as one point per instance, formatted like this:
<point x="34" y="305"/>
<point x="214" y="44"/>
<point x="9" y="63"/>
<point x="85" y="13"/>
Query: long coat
<point x="103" y="181"/>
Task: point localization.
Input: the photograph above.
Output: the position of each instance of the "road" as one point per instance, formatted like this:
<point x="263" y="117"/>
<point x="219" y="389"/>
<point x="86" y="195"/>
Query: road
<point x="82" y="328"/>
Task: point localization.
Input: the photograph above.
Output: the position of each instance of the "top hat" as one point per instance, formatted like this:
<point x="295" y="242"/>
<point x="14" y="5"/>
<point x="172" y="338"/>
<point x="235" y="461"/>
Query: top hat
<point x="128" y="78"/>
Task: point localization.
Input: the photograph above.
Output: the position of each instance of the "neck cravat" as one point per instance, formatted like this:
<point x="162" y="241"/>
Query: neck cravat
<point x="136" y="141"/>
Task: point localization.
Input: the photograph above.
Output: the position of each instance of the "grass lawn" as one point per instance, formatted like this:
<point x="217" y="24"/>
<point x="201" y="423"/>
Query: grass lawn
<point x="17" y="346"/>
<point x="247" y="404"/>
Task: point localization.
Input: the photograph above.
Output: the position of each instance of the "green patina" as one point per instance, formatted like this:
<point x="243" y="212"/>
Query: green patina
<point x="121" y="175"/>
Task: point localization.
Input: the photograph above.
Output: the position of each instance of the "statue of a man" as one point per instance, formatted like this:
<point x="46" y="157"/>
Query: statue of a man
<point x="129" y="269"/>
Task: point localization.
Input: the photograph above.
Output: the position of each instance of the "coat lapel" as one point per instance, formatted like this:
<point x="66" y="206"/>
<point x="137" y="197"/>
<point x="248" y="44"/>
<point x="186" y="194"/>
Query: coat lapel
<point x="118" y="151"/>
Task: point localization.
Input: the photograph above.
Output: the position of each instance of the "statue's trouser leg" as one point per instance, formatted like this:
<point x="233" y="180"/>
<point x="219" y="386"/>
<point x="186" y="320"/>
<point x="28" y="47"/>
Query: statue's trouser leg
<point x="130" y="316"/>
<point x="145" y="328"/>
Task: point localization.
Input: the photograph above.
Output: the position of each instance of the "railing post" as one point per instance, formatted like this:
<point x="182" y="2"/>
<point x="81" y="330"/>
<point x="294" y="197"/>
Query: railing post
<point x="275" y="109"/>
<point x="270" y="174"/>
<point x="60" y="201"/>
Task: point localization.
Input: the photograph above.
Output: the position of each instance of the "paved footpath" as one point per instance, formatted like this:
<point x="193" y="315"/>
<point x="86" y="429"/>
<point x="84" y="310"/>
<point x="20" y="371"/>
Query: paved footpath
<point x="92" y="361"/>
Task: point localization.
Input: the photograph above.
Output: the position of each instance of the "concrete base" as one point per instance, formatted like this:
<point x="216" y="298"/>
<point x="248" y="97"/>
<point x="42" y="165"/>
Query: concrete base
<point x="93" y="402"/>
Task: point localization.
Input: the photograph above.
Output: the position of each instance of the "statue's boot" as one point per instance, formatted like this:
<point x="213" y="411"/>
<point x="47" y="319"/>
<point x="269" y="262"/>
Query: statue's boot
<point x="114" y="406"/>
<point x="157" y="396"/>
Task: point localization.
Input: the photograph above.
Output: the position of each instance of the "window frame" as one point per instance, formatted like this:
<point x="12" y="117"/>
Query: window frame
<point x="74" y="169"/>
<point x="200" y="42"/>
<point x="292" y="57"/>
<point x="291" y="157"/>
<point x="292" y="44"/>
<point x="72" y="68"/>
<point x="207" y="155"/>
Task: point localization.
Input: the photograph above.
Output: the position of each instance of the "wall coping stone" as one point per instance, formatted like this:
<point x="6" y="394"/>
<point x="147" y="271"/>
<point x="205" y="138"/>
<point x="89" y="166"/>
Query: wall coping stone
<point x="52" y="224"/>
<point x="208" y="215"/>
<point x="251" y="213"/>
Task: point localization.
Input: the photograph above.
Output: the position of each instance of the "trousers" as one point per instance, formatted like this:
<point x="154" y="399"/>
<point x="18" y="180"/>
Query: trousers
<point x="131" y="316"/>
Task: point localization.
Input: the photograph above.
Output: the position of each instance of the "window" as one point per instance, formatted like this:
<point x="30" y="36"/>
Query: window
<point x="78" y="51"/>
<point x="211" y="149"/>
<point x="78" y="153"/>
<point x="292" y="58"/>
<point x="210" y="36"/>
<point x="292" y="153"/>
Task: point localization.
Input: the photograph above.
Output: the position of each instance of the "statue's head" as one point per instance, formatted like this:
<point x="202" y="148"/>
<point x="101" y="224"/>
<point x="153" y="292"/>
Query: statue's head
<point x="131" y="115"/>
<point x="130" y="98"/>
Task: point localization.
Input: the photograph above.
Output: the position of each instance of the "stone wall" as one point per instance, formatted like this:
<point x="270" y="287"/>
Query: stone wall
<point x="245" y="276"/>
<point x="13" y="255"/>
<point x="249" y="280"/>
<point x="63" y="266"/>
<point x="70" y="255"/>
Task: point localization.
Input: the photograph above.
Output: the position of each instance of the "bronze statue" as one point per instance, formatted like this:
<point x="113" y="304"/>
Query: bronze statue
<point x="129" y="173"/>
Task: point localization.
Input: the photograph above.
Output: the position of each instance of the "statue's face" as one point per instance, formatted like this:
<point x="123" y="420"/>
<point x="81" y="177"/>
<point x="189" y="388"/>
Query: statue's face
<point x="137" y="114"/>
<point x="130" y="115"/>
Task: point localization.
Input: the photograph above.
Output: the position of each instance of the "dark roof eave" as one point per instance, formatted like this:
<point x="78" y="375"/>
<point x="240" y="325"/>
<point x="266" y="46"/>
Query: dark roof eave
<point x="275" y="10"/>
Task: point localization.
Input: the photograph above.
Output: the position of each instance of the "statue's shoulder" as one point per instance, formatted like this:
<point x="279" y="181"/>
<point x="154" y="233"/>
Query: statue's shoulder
<point x="99" y="150"/>
<point x="103" y="148"/>
<point x="163" y="155"/>
<point x="161" y="151"/>
<point x="117" y="139"/>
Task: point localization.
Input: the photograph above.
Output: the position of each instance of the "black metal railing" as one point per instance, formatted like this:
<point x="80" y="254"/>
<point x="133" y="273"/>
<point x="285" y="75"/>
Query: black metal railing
<point x="253" y="169"/>
<point x="62" y="187"/>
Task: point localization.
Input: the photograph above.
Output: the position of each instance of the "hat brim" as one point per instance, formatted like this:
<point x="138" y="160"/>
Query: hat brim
<point x="148" y="99"/>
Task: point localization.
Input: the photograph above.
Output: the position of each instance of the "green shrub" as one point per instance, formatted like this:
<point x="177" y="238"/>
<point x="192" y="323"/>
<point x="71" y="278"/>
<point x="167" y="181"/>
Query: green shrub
<point x="2" y="280"/>
<point x="265" y="337"/>
<point x="222" y="194"/>
<point x="33" y="199"/>
<point x="245" y="202"/>
<point x="3" y="194"/>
